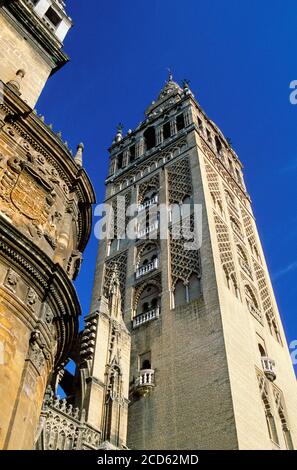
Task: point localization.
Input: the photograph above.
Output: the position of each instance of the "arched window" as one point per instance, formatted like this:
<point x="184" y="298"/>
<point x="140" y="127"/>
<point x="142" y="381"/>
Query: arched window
<point x="149" y="138"/>
<point x="180" y="122"/>
<point x="262" y="350"/>
<point x="251" y="300"/>
<point x="227" y="277"/>
<point x="256" y="253"/>
<point x="145" y="307"/>
<point x="154" y="303"/>
<point x="218" y="145"/>
<point x="233" y="286"/>
<point x="270" y="421"/>
<point x="194" y="287"/>
<point x="132" y="153"/>
<point x="276" y="331"/>
<point x="271" y="426"/>
<point x="243" y="260"/>
<point x="236" y="227"/>
<point x="230" y="199"/>
<point x="120" y="161"/>
<point x="148" y="300"/>
<point x="166" y="130"/>
<point x="220" y="209"/>
<point x="179" y="294"/>
<point x="147" y="254"/>
<point x="146" y="365"/>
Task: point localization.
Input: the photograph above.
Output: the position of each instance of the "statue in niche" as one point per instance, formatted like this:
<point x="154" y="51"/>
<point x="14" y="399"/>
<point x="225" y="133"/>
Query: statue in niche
<point x="115" y="298"/>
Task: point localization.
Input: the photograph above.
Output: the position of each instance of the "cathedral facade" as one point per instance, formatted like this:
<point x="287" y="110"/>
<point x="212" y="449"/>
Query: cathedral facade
<point x="183" y="347"/>
<point x="46" y="219"/>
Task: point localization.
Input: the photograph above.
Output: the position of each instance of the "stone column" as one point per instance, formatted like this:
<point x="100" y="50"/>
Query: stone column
<point x="173" y="129"/>
<point x="159" y="135"/>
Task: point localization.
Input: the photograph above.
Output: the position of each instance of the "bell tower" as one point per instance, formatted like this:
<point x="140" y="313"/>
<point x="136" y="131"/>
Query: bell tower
<point x="45" y="224"/>
<point x="209" y="364"/>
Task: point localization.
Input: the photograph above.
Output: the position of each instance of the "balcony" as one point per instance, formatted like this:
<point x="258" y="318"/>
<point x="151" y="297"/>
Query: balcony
<point x="145" y="382"/>
<point x="147" y="268"/>
<point x="269" y="368"/>
<point x="146" y="317"/>
<point x="151" y="202"/>
<point x="147" y="230"/>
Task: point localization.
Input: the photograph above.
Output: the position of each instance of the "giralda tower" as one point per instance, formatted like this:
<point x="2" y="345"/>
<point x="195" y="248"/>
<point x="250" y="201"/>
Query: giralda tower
<point x="209" y="364"/>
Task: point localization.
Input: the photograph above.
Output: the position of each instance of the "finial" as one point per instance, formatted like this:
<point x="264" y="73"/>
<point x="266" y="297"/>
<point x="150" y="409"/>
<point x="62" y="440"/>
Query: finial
<point x="119" y="134"/>
<point x="16" y="82"/>
<point x="186" y="83"/>
<point x="79" y="155"/>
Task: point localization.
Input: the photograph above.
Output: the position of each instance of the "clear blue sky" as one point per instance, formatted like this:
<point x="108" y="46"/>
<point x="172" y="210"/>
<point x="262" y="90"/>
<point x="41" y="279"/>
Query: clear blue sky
<point x="240" y="57"/>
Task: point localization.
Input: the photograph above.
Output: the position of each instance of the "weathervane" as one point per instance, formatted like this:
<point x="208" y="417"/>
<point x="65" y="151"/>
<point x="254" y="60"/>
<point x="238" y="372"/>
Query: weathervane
<point x="170" y="75"/>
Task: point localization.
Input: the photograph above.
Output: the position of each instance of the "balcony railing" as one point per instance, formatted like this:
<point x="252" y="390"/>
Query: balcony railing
<point x="269" y="368"/>
<point x="147" y="268"/>
<point x="145" y="382"/>
<point x="146" y="317"/>
<point x="146" y="377"/>
<point x="147" y="230"/>
<point x="151" y="202"/>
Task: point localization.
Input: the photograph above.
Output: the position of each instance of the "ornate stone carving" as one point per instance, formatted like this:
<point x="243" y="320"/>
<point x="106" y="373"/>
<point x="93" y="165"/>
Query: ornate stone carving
<point x="148" y="185"/>
<point x="224" y="244"/>
<point x="11" y="280"/>
<point x="74" y="264"/>
<point x="155" y="281"/>
<point x="48" y="315"/>
<point x="120" y="217"/>
<point x="118" y="265"/>
<point x="216" y="162"/>
<point x="38" y="352"/>
<point x="179" y="181"/>
<point x="63" y="427"/>
<point x="184" y="262"/>
<point x="27" y="198"/>
<point x="150" y="164"/>
<point x="31" y="298"/>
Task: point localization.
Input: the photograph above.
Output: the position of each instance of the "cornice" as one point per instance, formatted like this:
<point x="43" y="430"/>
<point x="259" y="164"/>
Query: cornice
<point x="44" y="141"/>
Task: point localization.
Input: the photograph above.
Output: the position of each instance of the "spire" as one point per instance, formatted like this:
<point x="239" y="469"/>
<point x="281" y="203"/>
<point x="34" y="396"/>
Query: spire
<point x="170" y="87"/>
<point x="170" y="90"/>
<point x="79" y="155"/>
